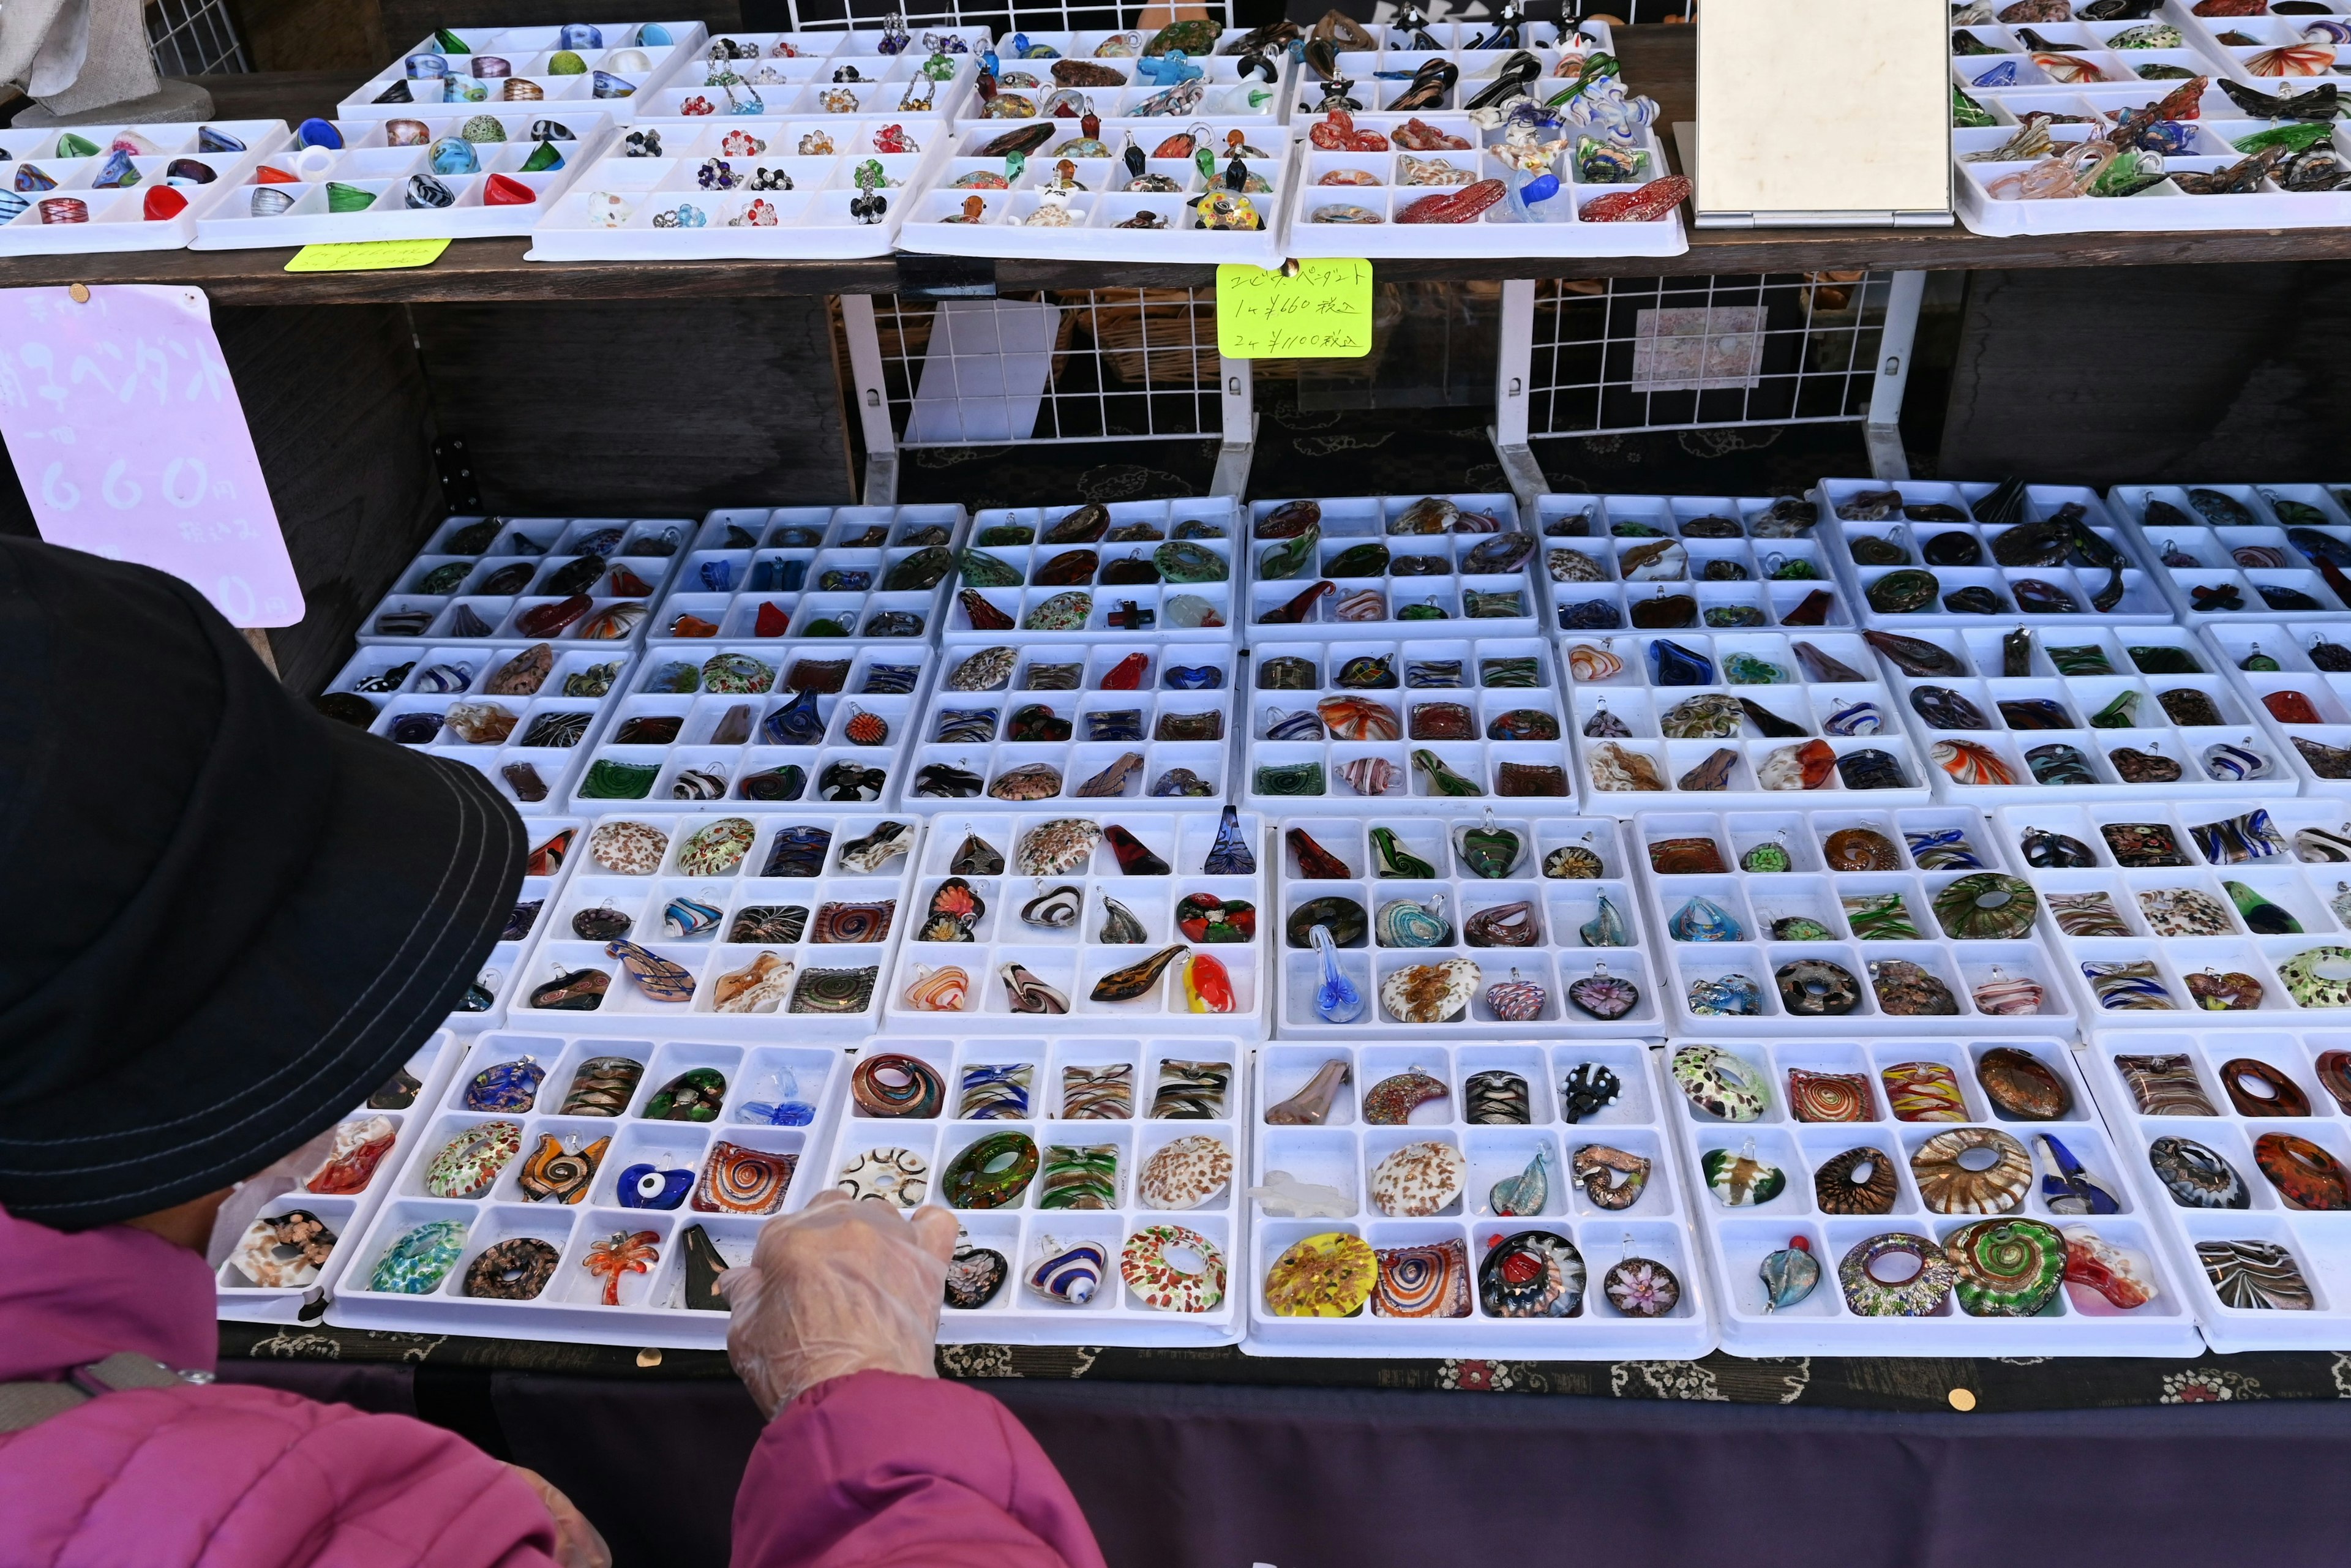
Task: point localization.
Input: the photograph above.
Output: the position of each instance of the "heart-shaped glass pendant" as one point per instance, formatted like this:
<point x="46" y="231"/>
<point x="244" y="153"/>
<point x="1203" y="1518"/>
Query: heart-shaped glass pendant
<point x="1489" y="852"/>
<point x="1604" y="996"/>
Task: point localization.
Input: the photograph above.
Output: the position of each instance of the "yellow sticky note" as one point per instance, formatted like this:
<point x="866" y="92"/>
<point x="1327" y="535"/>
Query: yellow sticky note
<point x="367" y="255"/>
<point x="1323" y="313"/>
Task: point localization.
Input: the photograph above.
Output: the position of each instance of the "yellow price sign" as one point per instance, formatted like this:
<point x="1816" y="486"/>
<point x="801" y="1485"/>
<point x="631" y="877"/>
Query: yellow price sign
<point x="367" y="255"/>
<point x="1323" y="313"/>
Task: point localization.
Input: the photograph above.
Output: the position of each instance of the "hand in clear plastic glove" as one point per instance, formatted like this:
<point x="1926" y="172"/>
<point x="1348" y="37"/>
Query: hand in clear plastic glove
<point x="846" y="1285"/>
<point x="577" y="1542"/>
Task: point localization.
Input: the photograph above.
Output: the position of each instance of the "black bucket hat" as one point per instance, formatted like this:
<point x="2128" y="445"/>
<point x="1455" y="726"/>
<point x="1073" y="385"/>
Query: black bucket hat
<point x="234" y="918"/>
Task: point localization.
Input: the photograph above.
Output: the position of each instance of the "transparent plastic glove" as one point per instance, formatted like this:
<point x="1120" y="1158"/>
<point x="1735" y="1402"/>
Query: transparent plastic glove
<point x="577" y="1542"/>
<point x="846" y="1285"/>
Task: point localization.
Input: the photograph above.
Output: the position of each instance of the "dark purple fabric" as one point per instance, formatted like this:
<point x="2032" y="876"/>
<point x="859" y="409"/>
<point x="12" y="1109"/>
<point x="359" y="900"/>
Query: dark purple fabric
<point x="1211" y="1477"/>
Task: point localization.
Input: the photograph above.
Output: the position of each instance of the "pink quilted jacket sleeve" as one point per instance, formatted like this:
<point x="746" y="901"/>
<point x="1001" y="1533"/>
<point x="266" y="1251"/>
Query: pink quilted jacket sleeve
<point x="881" y="1470"/>
<point x="225" y="1477"/>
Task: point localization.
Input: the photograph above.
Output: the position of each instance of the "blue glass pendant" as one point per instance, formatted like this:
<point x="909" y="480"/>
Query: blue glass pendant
<point x="1336" y="998"/>
<point x="796" y="722"/>
<point x="505" y="1086"/>
<point x="691" y="918"/>
<point x="649" y="1186"/>
<point x="1230" y="855"/>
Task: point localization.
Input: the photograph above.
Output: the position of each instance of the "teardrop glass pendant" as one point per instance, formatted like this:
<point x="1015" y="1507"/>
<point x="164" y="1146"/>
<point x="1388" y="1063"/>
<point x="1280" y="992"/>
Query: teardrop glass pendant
<point x="1409" y="923"/>
<point x="1120" y="927"/>
<point x="1393" y="860"/>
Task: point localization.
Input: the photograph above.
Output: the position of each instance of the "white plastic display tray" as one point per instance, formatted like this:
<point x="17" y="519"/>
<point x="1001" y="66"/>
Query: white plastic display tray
<point x="530" y="54"/>
<point x="368" y="159"/>
<point x="1356" y="520"/>
<point x="1981" y="653"/>
<point x="1014" y="537"/>
<point x="628" y="207"/>
<point x="117" y="219"/>
<point x="407" y="673"/>
<point x="795" y="85"/>
<point x="1559" y="228"/>
<point x="2178" y="528"/>
<point x="1419" y="673"/>
<point x="1116" y="1314"/>
<point x="739" y="546"/>
<point x="346" y="1214"/>
<point x="2269" y="207"/>
<point x="1097" y="212"/>
<point x="1775" y="578"/>
<point x="1812" y="890"/>
<point x="1631" y="696"/>
<point x="1224" y="94"/>
<point x="2290" y="644"/>
<point x="1042" y="675"/>
<point x="885" y="680"/>
<point x="1344" y="1152"/>
<point x="1072" y="958"/>
<point x="652" y="1309"/>
<point x="2243" y="61"/>
<point x="644" y="899"/>
<point x="2315" y="1238"/>
<point x="2142" y="600"/>
<point x="1107" y="599"/>
<point x="2305" y="889"/>
<point x="1738" y="1240"/>
<point x="648" y="548"/>
<point x="1562" y="906"/>
<point x="557" y="844"/>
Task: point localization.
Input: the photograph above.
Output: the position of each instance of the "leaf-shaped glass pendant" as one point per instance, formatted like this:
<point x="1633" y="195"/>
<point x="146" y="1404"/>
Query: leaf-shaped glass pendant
<point x="1488" y="850"/>
<point x="1523" y="1194"/>
<point x="1407" y="923"/>
<point x="1392" y="859"/>
<point x="1120" y="927"/>
<point x="1606" y="928"/>
<point x="1126" y="985"/>
<point x="1230" y="855"/>
<point x="1337" y="999"/>
<point x="1442" y="779"/>
<point x="662" y="979"/>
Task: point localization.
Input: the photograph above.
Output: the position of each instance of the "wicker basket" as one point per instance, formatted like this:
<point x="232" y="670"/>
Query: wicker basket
<point x="1162" y="337"/>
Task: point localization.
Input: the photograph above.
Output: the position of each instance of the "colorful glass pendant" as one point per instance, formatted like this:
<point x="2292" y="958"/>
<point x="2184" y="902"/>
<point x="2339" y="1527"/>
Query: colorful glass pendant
<point x="1488" y="850"/>
<point x="1516" y="1000"/>
<point x="1410" y="922"/>
<point x="575" y="990"/>
<point x="1391" y="1101"/>
<point x="661" y="978"/>
<point x="508" y="1086"/>
<point x="1523" y="1194"/>
<point x="1337" y="999"/>
<point x="1025" y="993"/>
<point x="1604" y="996"/>
<point x="1207" y="986"/>
<point x="1124" y="985"/>
<point x="1789" y="1275"/>
<point x="1607" y="927"/>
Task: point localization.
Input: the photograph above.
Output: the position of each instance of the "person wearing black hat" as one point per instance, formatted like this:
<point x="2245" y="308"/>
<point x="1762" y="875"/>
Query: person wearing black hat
<point x="236" y="919"/>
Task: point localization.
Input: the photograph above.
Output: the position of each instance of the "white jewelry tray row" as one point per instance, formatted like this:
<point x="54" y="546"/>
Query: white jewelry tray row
<point x="940" y="755"/>
<point x="2292" y="644"/>
<point x="2307" y="891"/>
<point x="742" y="538"/>
<point x="649" y="550"/>
<point x="283" y="1188"/>
<point x="369" y="161"/>
<point x="1560" y="957"/>
<point x="1342" y="1152"/>
<point x="1020" y="1232"/>
<point x="711" y="596"/>
<point x="529" y="53"/>
<point x="1410" y="789"/>
<point x="1980" y="649"/>
<point x="1094" y="231"/>
<point x="1814" y="890"/>
<point x="1072" y="958"/>
<point x="2311" y="1241"/>
<point x="117" y="219"/>
<point x="1631" y="696"/>
<point x="2217" y="567"/>
<point x="1587" y="524"/>
<point x="646" y="898"/>
<point x="652" y="696"/>
<point x="2142" y="600"/>
<point x="1347" y="521"/>
<point x="1558" y="226"/>
<point x="1737" y="1238"/>
<point x="631" y="208"/>
<point x="557" y="767"/>
<point x="651" y="1306"/>
<point x="1022" y="600"/>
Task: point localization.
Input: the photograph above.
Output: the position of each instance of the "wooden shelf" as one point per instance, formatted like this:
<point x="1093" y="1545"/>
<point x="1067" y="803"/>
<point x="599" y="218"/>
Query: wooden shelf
<point x="1659" y="62"/>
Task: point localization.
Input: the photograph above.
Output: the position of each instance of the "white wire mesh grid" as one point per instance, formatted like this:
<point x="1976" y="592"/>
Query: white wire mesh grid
<point x="1104" y="364"/>
<point x="1682" y="353"/>
<point x="195" y="37"/>
<point x="1024" y="15"/>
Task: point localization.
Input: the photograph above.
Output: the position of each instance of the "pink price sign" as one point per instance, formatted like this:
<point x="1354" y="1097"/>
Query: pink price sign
<point x="128" y="436"/>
